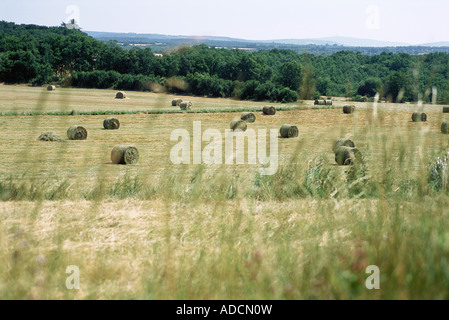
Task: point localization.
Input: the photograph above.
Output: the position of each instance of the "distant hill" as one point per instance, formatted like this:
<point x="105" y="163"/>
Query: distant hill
<point x="160" y="43"/>
<point x="341" y="41"/>
<point x="436" y="44"/>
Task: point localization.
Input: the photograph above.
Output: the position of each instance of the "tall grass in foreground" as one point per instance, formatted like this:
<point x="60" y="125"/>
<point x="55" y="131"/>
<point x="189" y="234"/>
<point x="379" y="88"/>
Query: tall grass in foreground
<point x="304" y="233"/>
<point x="225" y="232"/>
<point x="303" y="249"/>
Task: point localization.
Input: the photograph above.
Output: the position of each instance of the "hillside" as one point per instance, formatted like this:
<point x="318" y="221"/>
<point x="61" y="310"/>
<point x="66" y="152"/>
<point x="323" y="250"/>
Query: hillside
<point x="40" y="55"/>
<point x="322" y="46"/>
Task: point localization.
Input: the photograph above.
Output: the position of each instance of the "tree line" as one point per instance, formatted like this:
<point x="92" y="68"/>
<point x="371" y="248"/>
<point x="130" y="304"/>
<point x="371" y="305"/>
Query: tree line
<point x="40" y="55"/>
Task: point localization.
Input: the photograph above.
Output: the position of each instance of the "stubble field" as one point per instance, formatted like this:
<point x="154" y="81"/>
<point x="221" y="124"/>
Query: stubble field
<point x="156" y="230"/>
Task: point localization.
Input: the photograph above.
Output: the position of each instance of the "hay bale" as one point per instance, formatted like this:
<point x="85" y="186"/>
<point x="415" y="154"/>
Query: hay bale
<point x="269" y="111"/>
<point x="328" y="102"/>
<point x="51" y="88"/>
<point x="176" y="102"/>
<point x="289" y="131"/>
<point x="111" y="124"/>
<point x="77" y="133"/>
<point x="342" y="143"/>
<point x="248" y="117"/>
<point x="320" y="102"/>
<point x="445" y="109"/>
<point x="50" y="136"/>
<point x="348" y="109"/>
<point x="445" y="127"/>
<point x="186" y="105"/>
<point x="419" y="117"/>
<point x="120" y="95"/>
<point x="238" y="125"/>
<point x="346" y="155"/>
<point x="122" y="154"/>
<point x="363" y="99"/>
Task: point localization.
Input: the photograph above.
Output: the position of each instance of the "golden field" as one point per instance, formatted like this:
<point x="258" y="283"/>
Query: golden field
<point x="156" y="230"/>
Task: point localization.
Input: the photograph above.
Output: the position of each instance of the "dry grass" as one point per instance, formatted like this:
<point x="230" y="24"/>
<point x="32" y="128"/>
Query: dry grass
<point x="83" y="160"/>
<point x="159" y="231"/>
<point x="27" y="99"/>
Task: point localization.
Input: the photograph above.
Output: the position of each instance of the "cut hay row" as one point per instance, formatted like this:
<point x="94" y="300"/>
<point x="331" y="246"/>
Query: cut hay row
<point x="146" y="111"/>
<point x="50" y="136"/>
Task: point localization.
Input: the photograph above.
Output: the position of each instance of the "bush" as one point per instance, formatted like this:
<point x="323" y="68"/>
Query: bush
<point x="287" y="95"/>
<point x="249" y="90"/>
<point x="95" y="79"/>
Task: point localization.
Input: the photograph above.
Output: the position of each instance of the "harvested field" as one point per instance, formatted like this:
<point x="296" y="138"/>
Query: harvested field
<point x="306" y="232"/>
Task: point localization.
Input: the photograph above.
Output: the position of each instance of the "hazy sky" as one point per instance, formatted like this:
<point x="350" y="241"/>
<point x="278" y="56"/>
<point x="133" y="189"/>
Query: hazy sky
<point x="409" y="21"/>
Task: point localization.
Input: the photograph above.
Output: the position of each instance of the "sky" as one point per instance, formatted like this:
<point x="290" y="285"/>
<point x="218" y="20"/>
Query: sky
<point x="405" y="21"/>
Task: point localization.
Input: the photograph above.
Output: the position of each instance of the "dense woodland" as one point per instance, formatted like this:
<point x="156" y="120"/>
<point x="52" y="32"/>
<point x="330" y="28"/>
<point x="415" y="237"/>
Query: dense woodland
<point x="41" y="55"/>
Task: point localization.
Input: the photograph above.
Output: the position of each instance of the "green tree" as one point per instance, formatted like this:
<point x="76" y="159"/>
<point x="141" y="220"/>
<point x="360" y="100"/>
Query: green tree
<point x="370" y="87"/>
<point x="290" y="75"/>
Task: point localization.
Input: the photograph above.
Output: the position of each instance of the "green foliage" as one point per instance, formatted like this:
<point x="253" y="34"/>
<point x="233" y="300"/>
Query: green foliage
<point x="39" y="55"/>
<point x="369" y="87"/>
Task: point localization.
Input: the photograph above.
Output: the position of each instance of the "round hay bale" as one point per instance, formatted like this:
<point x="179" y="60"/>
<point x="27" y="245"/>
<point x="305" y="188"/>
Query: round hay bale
<point x="50" y="136"/>
<point x="269" y="111"/>
<point x="51" y="88"/>
<point x="122" y="154"/>
<point x="320" y="102"/>
<point x="77" y="133"/>
<point x="289" y="131"/>
<point x="248" y="117"/>
<point x="445" y="109"/>
<point x="348" y="109"/>
<point x="342" y="143"/>
<point x="363" y="99"/>
<point x="176" y="102"/>
<point x="186" y="105"/>
<point x="120" y="95"/>
<point x="328" y="102"/>
<point x="423" y="117"/>
<point x="238" y="125"/>
<point x="419" y="117"/>
<point x="346" y="155"/>
<point x="445" y="127"/>
<point x="111" y="124"/>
